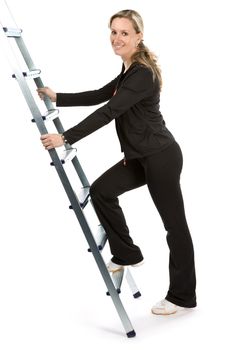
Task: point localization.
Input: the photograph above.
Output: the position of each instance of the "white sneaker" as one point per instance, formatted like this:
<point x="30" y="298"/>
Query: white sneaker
<point x="165" y="307"/>
<point x="112" y="267"/>
<point x="138" y="264"/>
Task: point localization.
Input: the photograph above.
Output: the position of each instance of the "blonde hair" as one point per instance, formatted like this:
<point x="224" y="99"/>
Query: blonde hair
<point x="143" y="55"/>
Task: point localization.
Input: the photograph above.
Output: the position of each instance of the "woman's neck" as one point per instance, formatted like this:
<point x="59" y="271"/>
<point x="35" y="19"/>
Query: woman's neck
<point x="127" y="64"/>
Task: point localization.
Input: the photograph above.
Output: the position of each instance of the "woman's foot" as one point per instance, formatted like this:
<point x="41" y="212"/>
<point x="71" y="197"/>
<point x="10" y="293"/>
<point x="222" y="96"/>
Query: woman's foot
<point x="165" y="307"/>
<point x="112" y="267"/>
<point x="138" y="264"/>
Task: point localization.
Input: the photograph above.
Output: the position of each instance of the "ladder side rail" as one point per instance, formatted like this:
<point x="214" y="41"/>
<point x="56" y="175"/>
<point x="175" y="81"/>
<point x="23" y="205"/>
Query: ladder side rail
<point x="80" y="172"/>
<point x="24" y="52"/>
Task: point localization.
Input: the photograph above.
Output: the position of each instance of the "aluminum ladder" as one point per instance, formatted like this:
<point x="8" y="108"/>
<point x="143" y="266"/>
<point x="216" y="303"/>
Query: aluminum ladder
<point x="78" y="202"/>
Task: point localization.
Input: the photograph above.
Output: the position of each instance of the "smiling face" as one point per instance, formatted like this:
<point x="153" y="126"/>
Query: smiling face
<point x="124" y="38"/>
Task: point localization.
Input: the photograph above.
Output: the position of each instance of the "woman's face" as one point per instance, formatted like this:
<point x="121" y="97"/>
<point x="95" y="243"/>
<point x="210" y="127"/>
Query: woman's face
<point x="124" y="38"/>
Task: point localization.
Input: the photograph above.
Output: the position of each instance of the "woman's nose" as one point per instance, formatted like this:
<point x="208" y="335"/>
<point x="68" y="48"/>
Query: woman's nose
<point x="117" y="39"/>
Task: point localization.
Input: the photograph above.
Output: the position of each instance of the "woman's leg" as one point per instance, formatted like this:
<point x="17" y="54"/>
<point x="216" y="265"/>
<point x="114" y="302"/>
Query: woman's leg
<point x="104" y="194"/>
<point x="163" y="178"/>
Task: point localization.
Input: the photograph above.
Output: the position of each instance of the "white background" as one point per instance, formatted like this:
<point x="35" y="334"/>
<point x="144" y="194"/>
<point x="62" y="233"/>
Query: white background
<point x="51" y="293"/>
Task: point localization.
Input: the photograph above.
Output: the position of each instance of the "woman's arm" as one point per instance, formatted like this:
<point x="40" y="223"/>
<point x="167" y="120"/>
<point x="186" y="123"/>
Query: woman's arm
<point x="136" y="86"/>
<point x="87" y="98"/>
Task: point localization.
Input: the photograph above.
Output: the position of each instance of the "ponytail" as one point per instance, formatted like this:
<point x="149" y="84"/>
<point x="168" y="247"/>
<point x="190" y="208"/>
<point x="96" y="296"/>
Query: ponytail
<point x="144" y="56"/>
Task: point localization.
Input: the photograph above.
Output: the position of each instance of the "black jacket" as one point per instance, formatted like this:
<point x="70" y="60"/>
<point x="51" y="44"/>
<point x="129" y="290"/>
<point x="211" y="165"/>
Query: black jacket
<point x="133" y="103"/>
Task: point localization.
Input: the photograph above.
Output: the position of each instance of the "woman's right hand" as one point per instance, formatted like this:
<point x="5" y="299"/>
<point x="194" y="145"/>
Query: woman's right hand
<point x="46" y="91"/>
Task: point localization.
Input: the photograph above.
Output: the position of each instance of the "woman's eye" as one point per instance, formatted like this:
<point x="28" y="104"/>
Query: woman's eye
<point x="113" y="32"/>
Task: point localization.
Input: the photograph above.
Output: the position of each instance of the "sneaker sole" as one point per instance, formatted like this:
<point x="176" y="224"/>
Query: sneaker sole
<point x="166" y="313"/>
<point x="138" y="264"/>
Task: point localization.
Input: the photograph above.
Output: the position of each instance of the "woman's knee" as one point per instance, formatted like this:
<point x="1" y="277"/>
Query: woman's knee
<point x="100" y="190"/>
<point x="94" y="189"/>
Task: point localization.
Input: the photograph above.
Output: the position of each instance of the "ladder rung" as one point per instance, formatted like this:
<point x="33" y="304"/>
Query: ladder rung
<point x="34" y="73"/>
<point x="100" y="238"/>
<point x="12" y="32"/>
<point x="50" y="115"/>
<point x="68" y="154"/>
<point x="83" y="196"/>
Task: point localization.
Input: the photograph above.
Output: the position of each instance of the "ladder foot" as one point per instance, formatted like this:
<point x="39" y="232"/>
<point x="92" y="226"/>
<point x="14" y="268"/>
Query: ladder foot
<point x="131" y="334"/>
<point x="137" y="295"/>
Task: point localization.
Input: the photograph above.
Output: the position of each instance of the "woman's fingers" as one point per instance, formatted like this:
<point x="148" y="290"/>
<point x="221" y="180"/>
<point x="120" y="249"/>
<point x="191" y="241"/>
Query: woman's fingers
<point x="50" y="141"/>
<point x="46" y="141"/>
<point x="42" y="92"/>
<point x="46" y="91"/>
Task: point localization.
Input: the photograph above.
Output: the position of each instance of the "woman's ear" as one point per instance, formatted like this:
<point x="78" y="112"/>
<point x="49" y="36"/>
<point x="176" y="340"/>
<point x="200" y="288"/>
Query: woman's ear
<point x="140" y="38"/>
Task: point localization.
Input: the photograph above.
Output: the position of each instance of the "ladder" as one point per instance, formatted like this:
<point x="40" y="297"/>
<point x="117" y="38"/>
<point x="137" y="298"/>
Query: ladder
<point x="79" y="201"/>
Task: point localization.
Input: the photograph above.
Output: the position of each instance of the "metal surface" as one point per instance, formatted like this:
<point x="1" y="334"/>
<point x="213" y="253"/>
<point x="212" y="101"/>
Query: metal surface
<point x="12" y="32"/>
<point x="38" y="118"/>
<point x="132" y="284"/>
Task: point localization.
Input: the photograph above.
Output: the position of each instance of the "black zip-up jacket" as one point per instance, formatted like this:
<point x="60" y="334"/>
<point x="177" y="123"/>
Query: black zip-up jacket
<point x="133" y="103"/>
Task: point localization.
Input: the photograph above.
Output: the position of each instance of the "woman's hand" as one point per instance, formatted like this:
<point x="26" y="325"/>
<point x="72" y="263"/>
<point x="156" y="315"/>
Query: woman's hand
<point x="50" y="141"/>
<point x="46" y="91"/>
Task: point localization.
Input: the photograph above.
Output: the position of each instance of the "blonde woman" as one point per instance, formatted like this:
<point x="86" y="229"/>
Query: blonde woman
<point x="152" y="157"/>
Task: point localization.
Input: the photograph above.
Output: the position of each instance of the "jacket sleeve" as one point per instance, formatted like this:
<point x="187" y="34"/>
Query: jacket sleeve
<point x="87" y="98"/>
<point x="138" y="84"/>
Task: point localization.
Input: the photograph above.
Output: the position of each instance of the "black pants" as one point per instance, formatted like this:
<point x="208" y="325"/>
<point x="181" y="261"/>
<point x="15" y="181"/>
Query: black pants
<point x="161" y="173"/>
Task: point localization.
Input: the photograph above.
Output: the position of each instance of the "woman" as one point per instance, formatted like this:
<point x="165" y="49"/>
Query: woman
<point x="151" y="156"/>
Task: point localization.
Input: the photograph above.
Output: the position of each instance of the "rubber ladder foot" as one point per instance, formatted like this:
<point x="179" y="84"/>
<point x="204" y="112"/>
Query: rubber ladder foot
<point x="131" y="334"/>
<point x="137" y="295"/>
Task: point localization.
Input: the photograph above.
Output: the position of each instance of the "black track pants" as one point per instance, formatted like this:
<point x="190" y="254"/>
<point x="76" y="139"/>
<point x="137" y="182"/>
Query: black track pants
<point x="161" y="173"/>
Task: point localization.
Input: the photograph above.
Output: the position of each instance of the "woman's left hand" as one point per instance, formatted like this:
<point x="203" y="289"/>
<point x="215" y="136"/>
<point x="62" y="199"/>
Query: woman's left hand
<point x="50" y="141"/>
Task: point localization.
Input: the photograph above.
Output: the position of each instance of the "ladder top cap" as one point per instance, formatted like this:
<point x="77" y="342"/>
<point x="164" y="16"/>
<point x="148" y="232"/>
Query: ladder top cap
<point x="12" y="32"/>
